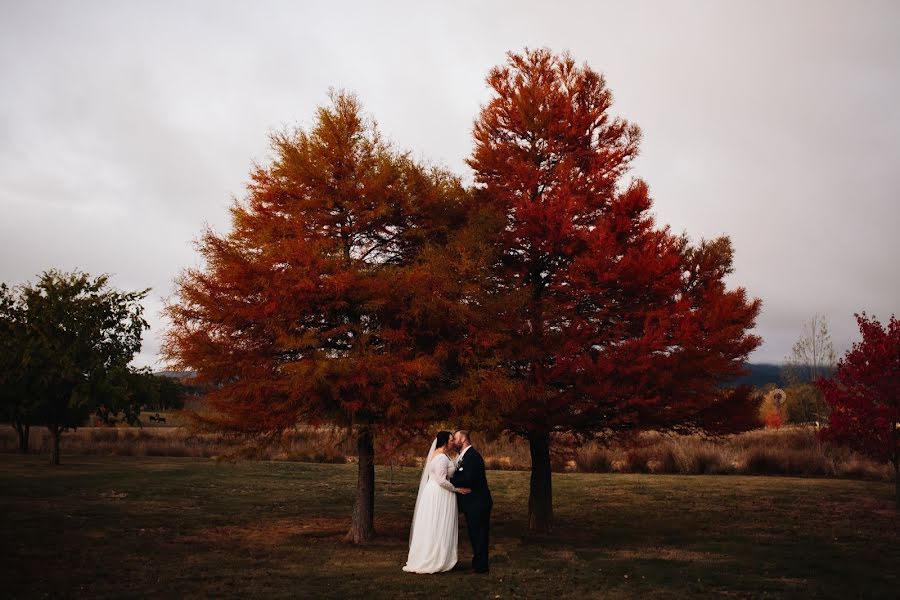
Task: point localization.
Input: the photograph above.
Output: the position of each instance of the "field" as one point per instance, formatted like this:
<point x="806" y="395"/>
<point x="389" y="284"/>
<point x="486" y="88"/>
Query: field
<point x="136" y="527"/>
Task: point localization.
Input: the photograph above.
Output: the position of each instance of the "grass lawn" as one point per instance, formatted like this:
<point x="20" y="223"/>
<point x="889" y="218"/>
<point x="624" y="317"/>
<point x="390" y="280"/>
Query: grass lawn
<point x="136" y="527"/>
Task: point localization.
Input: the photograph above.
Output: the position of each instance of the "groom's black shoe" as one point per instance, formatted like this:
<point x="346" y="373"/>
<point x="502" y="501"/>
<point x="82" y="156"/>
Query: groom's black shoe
<point x="474" y="572"/>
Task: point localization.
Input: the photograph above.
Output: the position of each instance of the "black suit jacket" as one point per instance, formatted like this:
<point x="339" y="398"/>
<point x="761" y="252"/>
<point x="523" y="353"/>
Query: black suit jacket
<point x="470" y="473"/>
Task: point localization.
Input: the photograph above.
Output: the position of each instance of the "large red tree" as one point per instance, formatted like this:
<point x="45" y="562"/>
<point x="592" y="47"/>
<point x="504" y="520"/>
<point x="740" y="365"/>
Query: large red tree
<point x="598" y="320"/>
<point x="323" y="303"/>
<point x="864" y="394"/>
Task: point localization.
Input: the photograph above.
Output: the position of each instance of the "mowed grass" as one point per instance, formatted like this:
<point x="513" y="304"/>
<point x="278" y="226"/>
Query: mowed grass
<point x="138" y="527"/>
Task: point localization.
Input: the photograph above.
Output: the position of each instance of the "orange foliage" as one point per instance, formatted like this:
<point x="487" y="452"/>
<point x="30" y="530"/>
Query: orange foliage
<point x="773" y="420"/>
<point x="323" y="302"/>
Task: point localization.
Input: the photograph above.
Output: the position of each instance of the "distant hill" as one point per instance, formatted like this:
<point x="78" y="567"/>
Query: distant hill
<point x="760" y="374"/>
<point x="176" y="374"/>
<point x="763" y="373"/>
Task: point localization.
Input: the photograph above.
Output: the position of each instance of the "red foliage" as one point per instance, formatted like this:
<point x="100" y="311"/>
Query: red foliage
<point x="864" y="393"/>
<point x="610" y="322"/>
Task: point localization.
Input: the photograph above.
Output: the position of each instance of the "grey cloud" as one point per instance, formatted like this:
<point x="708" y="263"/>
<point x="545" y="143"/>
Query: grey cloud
<point x="124" y="127"/>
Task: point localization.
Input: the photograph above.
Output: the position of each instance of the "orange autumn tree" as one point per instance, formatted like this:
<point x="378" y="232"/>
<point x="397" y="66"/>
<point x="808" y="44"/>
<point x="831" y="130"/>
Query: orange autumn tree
<point x="599" y="321"/>
<point x="323" y="303"/>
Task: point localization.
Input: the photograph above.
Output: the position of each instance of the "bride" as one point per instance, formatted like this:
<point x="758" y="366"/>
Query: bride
<point x="434" y="534"/>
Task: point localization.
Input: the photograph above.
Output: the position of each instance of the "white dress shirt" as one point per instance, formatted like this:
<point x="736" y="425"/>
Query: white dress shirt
<point x="461" y="454"/>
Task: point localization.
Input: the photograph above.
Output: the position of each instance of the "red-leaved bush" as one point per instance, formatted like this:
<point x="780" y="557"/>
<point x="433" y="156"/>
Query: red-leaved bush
<point x="864" y="394"/>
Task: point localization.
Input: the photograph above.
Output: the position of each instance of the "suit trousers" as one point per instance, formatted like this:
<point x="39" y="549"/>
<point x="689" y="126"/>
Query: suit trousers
<point x="478" y="522"/>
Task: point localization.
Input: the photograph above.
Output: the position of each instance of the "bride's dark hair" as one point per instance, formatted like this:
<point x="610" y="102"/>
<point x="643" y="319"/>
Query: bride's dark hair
<point x="442" y="438"/>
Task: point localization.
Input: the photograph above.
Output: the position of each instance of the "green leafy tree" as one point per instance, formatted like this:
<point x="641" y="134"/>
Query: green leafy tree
<point x="16" y="403"/>
<point x="78" y="336"/>
<point x="170" y="393"/>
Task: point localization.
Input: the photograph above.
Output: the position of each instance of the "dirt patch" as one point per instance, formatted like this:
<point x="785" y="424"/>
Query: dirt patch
<point x="94" y="534"/>
<point x="566" y="555"/>
<point x="268" y="533"/>
<point x="169" y="465"/>
<point x="390" y="527"/>
<point x="371" y="562"/>
<point x="504" y="548"/>
<point x="790" y="581"/>
<point x="113" y="495"/>
<point x="670" y="554"/>
<point x="855" y="506"/>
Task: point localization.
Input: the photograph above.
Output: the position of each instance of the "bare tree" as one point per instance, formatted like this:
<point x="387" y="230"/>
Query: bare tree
<point x="812" y="358"/>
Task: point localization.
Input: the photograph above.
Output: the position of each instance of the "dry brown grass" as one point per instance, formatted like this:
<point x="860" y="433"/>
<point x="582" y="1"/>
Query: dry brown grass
<point x="312" y="445"/>
<point x="786" y="451"/>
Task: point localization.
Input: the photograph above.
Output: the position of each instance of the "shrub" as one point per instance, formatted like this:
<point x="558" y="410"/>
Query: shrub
<point x="105" y="434"/>
<point x="805" y="403"/>
<point x="763" y="462"/>
<point x="772" y="410"/>
<point x="499" y="463"/>
<point x="709" y="462"/>
<point x="668" y="462"/>
<point x="637" y="460"/>
<point x="593" y="459"/>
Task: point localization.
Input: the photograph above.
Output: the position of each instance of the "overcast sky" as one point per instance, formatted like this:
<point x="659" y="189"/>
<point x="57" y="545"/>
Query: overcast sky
<point x="125" y="126"/>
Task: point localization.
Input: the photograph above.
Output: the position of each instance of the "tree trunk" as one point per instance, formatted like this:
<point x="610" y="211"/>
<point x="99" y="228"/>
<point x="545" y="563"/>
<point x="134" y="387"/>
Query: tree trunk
<point x="897" y="482"/>
<point x="362" y="527"/>
<point x="896" y="435"/>
<point x="22" y="432"/>
<point x="540" y="498"/>
<point x="54" y="452"/>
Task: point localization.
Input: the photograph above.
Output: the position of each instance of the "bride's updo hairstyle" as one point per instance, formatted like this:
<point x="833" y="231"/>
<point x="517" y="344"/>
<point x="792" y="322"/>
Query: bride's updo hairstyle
<point x="442" y="438"/>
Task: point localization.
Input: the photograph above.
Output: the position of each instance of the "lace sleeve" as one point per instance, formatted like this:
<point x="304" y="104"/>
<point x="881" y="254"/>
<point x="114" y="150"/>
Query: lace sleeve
<point x="439" y="469"/>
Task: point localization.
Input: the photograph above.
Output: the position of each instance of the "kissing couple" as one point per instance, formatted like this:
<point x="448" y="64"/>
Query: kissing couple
<point x="448" y="487"/>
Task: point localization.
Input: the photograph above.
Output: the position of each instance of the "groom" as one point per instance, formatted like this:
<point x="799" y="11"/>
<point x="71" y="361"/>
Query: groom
<point x="477" y="504"/>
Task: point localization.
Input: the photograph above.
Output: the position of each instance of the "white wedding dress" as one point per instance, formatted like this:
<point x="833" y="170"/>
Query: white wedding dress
<point x="434" y="536"/>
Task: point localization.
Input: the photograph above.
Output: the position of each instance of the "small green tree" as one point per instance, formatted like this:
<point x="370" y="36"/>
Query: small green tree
<point x="76" y="340"/>
<point x="170" y="393"/>
<point x="16" y="405"/>
<point x="150" y="391"/>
